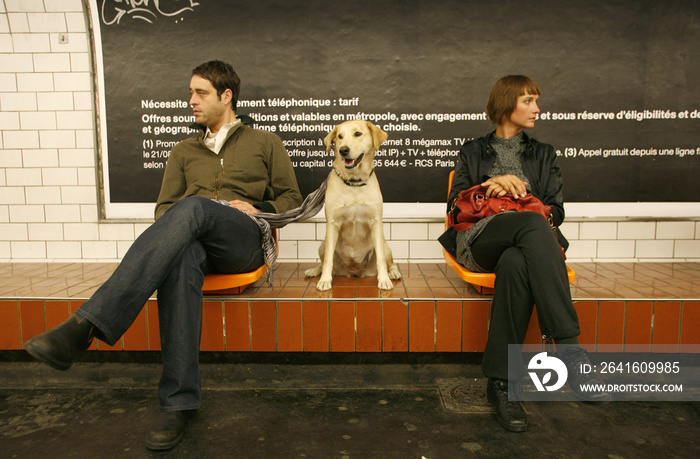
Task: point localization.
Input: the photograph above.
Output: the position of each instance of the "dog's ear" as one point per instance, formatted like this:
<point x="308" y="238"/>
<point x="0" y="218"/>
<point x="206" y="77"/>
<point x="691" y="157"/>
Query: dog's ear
<point x="329" y="138"/>
<point x="378" y="135"/>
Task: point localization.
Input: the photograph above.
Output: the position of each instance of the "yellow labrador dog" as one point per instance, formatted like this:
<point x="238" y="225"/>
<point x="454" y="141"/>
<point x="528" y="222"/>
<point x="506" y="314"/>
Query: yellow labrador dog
<point x="354" y="244"/>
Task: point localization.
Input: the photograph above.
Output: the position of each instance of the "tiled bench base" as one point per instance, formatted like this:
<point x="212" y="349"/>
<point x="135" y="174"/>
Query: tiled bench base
<point x="374" y="325"/>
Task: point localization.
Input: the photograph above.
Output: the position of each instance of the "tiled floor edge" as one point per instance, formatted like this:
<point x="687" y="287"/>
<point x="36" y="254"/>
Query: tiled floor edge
<point x="254" y="300"/>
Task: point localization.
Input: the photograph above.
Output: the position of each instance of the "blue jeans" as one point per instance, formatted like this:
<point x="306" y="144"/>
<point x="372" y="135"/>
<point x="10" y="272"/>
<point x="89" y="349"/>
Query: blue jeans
<point x="194" y="237"/>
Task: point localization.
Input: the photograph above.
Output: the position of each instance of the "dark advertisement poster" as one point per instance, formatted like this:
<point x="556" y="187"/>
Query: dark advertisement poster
<point x="620" y="100"/>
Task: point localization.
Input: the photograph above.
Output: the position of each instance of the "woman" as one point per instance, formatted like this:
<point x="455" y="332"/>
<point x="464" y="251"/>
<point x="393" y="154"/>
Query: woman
<point x="520" y="247"/>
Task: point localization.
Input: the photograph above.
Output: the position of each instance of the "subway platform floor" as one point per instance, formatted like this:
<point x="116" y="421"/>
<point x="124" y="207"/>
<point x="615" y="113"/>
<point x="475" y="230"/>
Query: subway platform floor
<point x="415" y="409"/>
<point x="328" y="405"/>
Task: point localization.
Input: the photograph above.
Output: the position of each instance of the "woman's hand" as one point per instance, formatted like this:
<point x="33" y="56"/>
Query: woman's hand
<point x="244" y="206"/>
<point x="503" y="185"/>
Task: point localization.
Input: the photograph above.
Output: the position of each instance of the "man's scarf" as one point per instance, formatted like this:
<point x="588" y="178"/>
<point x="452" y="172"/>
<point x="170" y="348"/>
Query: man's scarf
<point x="266" y="221"/>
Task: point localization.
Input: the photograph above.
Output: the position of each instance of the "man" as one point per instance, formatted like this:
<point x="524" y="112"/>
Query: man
<point x="194" y="234"/>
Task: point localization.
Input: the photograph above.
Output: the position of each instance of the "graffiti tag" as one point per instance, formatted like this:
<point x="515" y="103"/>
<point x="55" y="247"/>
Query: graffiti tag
<point x="113" y="11"/>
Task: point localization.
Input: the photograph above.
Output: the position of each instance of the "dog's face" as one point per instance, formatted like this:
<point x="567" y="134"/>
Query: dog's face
<point x="354" y="143"/>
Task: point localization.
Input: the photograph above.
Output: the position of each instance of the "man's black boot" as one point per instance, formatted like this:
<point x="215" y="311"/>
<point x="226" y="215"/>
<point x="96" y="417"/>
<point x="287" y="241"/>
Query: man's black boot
<point x="61" y="345"/>
<point x="509" y="414"/>
<point x="576" y="360"/>
<point x="167" y="430"/>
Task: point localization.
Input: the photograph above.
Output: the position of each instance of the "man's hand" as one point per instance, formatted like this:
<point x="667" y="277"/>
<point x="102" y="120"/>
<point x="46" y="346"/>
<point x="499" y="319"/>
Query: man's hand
<point x="505" y="184"/>
<point x="244" y="206"/>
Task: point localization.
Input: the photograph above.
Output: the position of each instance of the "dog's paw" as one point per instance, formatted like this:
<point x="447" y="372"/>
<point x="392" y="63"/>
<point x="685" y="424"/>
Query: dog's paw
<point x="394" y="272"/>
<point x="324" y="284"/>
<point x="313" y="272"/>
<point x="385" y="284"/>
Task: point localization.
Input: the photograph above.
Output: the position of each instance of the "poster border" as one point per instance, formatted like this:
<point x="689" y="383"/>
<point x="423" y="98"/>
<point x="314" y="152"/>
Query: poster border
<point x="392" y="211"/>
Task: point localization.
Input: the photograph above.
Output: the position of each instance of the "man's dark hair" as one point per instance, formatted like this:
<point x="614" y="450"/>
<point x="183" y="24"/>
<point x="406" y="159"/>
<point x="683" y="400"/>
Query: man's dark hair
<point x="222" y="76"/>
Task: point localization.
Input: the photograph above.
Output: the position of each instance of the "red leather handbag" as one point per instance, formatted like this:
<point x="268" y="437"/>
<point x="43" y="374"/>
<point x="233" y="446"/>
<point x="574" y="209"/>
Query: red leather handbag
<point x="473" y="205"/>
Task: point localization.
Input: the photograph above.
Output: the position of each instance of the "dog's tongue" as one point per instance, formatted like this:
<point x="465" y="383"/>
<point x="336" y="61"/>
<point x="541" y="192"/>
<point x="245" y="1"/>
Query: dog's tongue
<point x="349" y="162"/>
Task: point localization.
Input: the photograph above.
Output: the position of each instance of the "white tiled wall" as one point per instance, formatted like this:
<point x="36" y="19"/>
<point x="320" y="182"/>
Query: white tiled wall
<point x="589" y="241"/>
<point x="48" y="195"/>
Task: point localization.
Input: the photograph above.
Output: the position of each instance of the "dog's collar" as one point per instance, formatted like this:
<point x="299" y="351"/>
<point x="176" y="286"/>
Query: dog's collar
<point x="353" y="182"/>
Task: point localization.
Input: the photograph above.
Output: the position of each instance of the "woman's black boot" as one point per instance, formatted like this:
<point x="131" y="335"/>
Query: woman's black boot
<point x="509" y="414"/>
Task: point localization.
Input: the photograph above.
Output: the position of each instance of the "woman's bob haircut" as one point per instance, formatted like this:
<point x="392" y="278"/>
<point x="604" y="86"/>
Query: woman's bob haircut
<point x="504" y="96"/>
